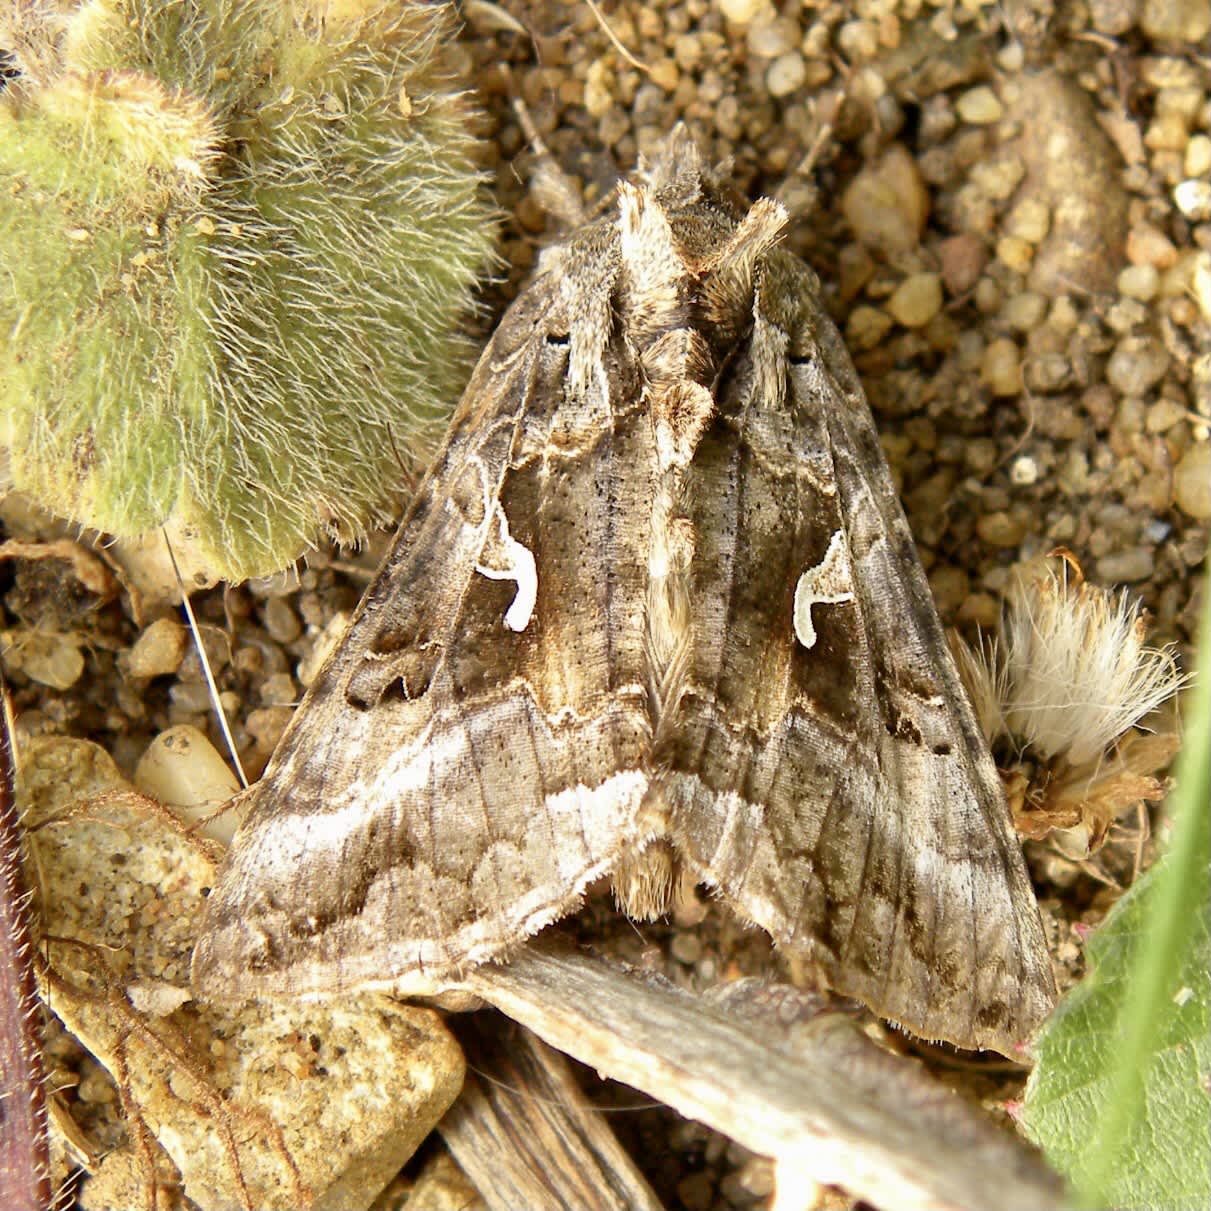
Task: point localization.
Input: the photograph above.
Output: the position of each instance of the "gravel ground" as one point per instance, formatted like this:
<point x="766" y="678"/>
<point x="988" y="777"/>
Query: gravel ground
<point x="1008" y="204"/>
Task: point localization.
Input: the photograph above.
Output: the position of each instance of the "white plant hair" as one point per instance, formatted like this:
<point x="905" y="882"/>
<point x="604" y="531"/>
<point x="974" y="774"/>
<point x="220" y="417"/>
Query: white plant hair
<point x="1070" y="672"/>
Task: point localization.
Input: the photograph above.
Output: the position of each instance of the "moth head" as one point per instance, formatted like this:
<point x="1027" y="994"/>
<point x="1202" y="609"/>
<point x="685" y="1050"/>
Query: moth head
<point x="676" y="163"/>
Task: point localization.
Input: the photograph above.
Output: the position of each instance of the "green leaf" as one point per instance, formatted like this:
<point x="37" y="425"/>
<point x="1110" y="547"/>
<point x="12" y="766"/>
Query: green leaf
<point x="1121" y="1098"/>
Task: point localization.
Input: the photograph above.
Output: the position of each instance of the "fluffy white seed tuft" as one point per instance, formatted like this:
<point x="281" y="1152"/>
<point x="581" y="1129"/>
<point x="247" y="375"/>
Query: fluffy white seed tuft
<point x="1070" y="672"/>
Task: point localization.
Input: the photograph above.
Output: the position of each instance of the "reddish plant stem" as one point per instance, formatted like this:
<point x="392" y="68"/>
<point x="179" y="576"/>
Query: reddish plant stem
<point x="24" y="1157"/>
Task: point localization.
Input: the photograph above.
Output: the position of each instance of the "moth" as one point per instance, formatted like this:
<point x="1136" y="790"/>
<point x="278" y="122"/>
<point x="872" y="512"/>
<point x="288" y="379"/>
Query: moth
<point x="656" y="611"/>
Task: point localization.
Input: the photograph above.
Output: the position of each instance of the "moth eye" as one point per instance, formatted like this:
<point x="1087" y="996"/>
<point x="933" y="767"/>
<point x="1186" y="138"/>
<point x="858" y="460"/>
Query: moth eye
<point x="801" y="359"/>
<point x="558" y="338"/>
<point x="941" y="750"/>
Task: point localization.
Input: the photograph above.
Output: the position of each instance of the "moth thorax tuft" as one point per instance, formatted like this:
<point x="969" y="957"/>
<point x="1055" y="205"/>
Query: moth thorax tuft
<point x="726" y="292"/>
<point x="683" y="353"/>
<point x="654" y="271"/>
<point x="680" y="413"/>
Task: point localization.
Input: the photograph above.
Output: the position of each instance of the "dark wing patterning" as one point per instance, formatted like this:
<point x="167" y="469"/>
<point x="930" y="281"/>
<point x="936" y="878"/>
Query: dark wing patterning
<point x="657" y="586"/>
<point x="830" y="778"/>
<point x="469" y="758"/>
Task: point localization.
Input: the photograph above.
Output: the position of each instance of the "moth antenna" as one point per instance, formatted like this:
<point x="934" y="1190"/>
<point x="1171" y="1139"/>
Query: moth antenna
<point x="556" y="191"/>
<point x="212" y="686"/>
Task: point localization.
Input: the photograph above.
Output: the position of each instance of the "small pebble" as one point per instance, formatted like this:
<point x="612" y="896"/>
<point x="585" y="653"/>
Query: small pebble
<point x="324" y="645"/>
<point x="1176" y="20"/>
<point x="999" y="177"/>
<point x="858" y="41"/>
<point x="1146" y="245"/>
<point x="266" y="725"/>
<point x="1001" y="368"/>
<point x="189" y="698"/>
<point x="855" y="267"/>
<point x="1198" y="156"/>
<point x="980" y="106"/>
<point x="1163" y="415"/>
<point x="278" y="690"/>
<point x="1025" y="311"/>
<point x="916" y="300"/>
<point x="980" y="455"/>
<point x="767" y="39"/>
<point x="184" y="771"/>
<point x="1137" y="364"/>
<point x="741" y="12"/>
<point x="47" y="657"/>
<point x="217" y="646"/>
<point x="1193" y="199"/>
<point x="697" y="1192"/>
<point x="1192" y="482"/>
<point x="687" y="50"/>
<point x="962" y="259"/>
<point x="1200" y="282"/>
<point x="1047" y="372"/>
<point x="887" y="204"/>
<point x="1126" y="567"/>
<point x="665" y="74"/>
<point x="866" y="327"/>
<point x="1064" y="316"/>
<point x="931" y="496"/>
<point x="756" y="1177"/>
<point x="158" y="651"/>
<point x="1125" y="314"/>
<point x="1024" y="471"/>
<point x="1001" y="529"/>
<point x="981" y="609"/>
<point x="280" y="584"/>
<point x="96" y="1087"/>
<point x="281" y="621"/>
<point x="950" y="586"/>
<point x="1113" y="17"/>
<point x="598" y="98"/>
<point x="1015" y="253"/>
<point x="1139" y="282"/>
<point x="786" y="74"/>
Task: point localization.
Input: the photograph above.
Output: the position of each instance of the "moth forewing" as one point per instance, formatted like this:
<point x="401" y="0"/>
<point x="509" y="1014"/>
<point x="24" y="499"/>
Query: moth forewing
<point x="656" y="605"/>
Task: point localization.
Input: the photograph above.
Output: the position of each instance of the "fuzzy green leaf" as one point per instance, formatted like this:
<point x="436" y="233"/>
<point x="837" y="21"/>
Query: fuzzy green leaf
<point x="258" y="227"/>
<point x="1121" y="1098"/>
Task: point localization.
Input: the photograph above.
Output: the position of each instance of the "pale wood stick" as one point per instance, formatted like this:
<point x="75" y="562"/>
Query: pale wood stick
<point x="523" y="1133"/>
<point x="762" y="1065"/>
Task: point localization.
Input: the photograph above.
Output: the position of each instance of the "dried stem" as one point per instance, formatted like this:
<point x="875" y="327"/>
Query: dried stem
<point x="761" y="1064"/>
<point x="24" y="1152"/>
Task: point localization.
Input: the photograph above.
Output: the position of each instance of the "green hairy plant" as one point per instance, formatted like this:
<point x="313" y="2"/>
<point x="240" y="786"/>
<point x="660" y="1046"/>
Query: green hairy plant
<point x="237" y="239"/>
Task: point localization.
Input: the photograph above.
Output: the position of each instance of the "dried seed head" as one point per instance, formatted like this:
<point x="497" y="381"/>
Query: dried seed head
<point x="1072" y="668"/>
<point x="1066" y="679"/>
